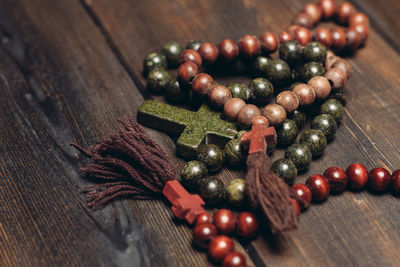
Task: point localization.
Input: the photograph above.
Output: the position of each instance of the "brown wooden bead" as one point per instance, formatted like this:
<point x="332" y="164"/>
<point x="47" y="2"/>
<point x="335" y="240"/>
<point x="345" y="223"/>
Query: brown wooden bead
<point x="362" y="30"/>
<point x="328" y="8"/>
<point x="249" y="45"/>
<point x="337" y="78"/>
<point x="344" y="66"/>
<point x="187" y="71"/>
<point x="219" y="247"/>
<point x="305" y="94"/>
<point x="269" y="42"/>
<point x="288" y="100"/>
<point x="304" y="193"/>
<point x="202" y="84"/>
<point x="228" y="49"/>
<point x="314" y="11"/>
<point x="323" y="36"/>
<point x="190" y="55"/>
<point x="302" y="35"/>
<point x="337" y="178"/>
<point x="247" y="224"/>
<point x="304" y="20"/>
<point x="321" y="86"/>
<point x="319" y="187"/>
<point x="358" y="18"/>
<point x="234" y="259"/>
<point x="257" y="120"/>
<point x="208" y="52"/>
<point x="292" y="28"/>
<point x="284" y="36"/>
<point x="344" y="11"/>
<point x="219" y="95"/>
<point x="203" y="218"/>
<point x="379" y="179"/>
<point x="246" y="114"/>
<point x="225" y="221"/>
<point x="353" y="39"/>
<point x="338" y="39"/>
<point x="396" y="181"/>
<point x="275" y="114"/>
<point x="330" y="60"/>
<point x="232" y="107"/>
<point x="203" y="234"/>
<point x="358" y="175"/>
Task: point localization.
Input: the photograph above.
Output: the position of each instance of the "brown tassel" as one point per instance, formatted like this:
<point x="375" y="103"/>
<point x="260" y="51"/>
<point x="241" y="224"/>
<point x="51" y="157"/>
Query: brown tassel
<point x="128" y="163"/>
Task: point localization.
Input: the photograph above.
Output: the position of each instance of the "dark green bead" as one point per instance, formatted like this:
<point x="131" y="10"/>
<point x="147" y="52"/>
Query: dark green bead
<point x="278" y="72"/>
<point x="261" y="91"/>
<point x="334" y="108"/>
<point x="172" y="50"/>
<point x="260" y="65"/>
<point x="239" y="90"/>
<point x="312" y="69"/>
<point x="191" y="174"/>
<point x="239" y="134"/>
<point x="174" y="92"/>
<point x="285" y="169"/>
<point x="212" y="190"/>
<point x="339" y="96"/>
<point x="157" y="80"/>
<point x="287" y="132"/>
<point x="212" y="156"/>
<point x="300" y="155"/>
<point x="194" y="45"/>
<point x="291" y="52"/>
<point x="234" y="154"/>
<point x="314" y="51"/>
<point x="154" y="60"/>
<point x="315" y="140"/>
<point x="299" y="118"/>
<point x="236" y="192"/>
<point x="326" y="124"/>
<point x="293" y="85"/>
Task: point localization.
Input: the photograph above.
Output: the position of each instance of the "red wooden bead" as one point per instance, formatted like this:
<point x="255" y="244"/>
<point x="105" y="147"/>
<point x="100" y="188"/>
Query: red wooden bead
<point x="187" y="71"/>
<point x="328" y="8"/>
<point x="202" y="84"/>
<point x="302" y="35"/>
<point x="319" y="187"/>
<point x="362" y="30"/>
<point x="209" y="52"/>
<point x="247" y="224"/>
<point x="358" y="18"/>
<point x="304" y="193"/>
<point x="203" y="234"/>
<point x="344" y="11"/>
<point x="219" y="247"/>
<point x="338" y="39"/>
<point x="228" y="49"/>
<point x="249" y="45"/>
<point x="225" y="221"/>
<point x="203" y="218"/>
<point x="353" y="39"/>
<point x="190" y="55"/>
<point x="323" y="36"/>
<point x="234" y="259"/>
<point x="337" y="178"/>
<point x="396" y="181"/>
<point x="295" y="205"/>
<point x="269" y="42"/>
<point x="358" y="175"/>
<point x="284" y="36"/>
<point x="304" y="20"/>
<point x="379" y="179"/>
<point x="314" y="11"/>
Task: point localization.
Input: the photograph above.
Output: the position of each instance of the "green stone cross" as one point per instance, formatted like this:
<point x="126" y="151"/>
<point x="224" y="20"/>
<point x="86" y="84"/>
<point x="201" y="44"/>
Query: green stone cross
<point x="195" y="128"/>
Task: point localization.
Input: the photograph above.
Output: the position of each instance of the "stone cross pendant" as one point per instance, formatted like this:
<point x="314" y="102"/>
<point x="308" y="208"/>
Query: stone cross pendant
<point x="258" y="138"/>
<point x="195" y="128"/>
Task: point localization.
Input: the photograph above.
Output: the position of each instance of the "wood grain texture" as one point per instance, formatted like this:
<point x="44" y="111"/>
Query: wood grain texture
<point x="68" y="68"/>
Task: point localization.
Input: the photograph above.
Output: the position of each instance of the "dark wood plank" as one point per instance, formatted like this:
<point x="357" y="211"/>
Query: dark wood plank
<point x="327" y="233"/>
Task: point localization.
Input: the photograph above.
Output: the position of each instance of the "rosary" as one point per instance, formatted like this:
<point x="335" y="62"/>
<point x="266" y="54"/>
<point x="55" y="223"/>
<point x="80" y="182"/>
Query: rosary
<point x="305" y="76"/>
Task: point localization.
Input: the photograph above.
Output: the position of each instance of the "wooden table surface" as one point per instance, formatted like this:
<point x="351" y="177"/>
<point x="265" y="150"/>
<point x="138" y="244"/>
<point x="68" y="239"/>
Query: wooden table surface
<point x="69" y="68"/>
